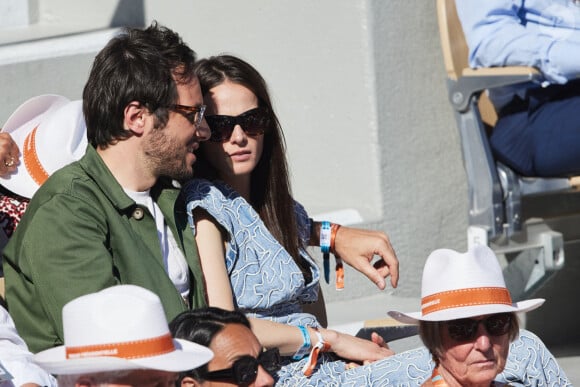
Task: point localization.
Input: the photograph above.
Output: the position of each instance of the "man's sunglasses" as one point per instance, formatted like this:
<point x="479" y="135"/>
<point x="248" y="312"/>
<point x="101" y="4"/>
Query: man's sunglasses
<point x="254" y="122"/>
<point x="194" y="114"/>
<point x="465" y="329"/>
<point x="244" y="371"/>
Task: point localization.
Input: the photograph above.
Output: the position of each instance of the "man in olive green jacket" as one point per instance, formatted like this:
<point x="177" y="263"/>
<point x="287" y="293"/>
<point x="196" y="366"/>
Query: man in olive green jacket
<point x="114" y="217"/>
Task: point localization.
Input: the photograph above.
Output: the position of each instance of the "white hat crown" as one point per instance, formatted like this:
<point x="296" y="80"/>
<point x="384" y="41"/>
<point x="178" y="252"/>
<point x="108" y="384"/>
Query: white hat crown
<point x="109" y="319"/>
<point x="119" y="328"/>
<point x="460" y="285"/>
<point x="447" y="270"/>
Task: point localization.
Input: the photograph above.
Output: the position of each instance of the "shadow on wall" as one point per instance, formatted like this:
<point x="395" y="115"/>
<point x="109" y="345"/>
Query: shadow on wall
<point x="129" y="14"/>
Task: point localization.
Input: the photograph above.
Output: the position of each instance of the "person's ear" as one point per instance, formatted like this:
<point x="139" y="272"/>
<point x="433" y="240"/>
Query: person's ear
<point x="134" y="117"/>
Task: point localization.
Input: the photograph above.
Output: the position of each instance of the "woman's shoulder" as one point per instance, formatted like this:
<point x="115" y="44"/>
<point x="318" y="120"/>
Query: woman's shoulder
<point x="204" y="190"/>
<point x="216" y="198"/>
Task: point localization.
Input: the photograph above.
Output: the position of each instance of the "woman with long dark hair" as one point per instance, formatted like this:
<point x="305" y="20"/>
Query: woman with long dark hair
<point x="252" y="238"/>
<point x="252" y="235"/>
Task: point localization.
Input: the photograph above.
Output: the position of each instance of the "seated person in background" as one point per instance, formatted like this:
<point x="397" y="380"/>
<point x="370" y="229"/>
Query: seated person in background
<point x="119" y="336"/>
<point x="537" y="133"/>
<point x="11" y="206"/>
<point x="468" y="320"/>
<point x="239" y="359"/>
<point x="252" y="235"/>
<point x="51" y="132"/>
<point x="16" y="365"/>
<point x="114" y="216"/>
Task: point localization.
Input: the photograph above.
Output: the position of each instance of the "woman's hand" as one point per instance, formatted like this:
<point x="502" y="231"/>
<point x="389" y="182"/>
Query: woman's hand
<point x="357" y="247"/>
<point x="9" y="154"/>
<point x="353" y="348"/>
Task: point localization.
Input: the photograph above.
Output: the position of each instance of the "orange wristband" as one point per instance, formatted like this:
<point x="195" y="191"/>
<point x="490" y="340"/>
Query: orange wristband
<point x="333" y="230"/>
<point x="321" y="346"/>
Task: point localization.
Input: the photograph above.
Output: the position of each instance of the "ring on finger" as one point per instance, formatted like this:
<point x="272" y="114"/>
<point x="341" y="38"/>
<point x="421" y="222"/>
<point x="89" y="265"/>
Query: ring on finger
<point x="10" y="162"/>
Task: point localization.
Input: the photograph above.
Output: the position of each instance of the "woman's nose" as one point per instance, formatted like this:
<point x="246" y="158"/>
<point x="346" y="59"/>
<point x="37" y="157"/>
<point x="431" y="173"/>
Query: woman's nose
<point x="238" y="135"/>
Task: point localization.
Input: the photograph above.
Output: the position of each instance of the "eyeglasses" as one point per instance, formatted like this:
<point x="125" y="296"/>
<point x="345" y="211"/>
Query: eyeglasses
<point x="194" y="114"/>
<point x="244" y="371"/>
<point x="465" y="329"/>
<point x="254" y="122"/>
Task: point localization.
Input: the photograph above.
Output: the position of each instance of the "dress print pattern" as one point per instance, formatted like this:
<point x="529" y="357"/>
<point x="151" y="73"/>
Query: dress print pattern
<point x="267" y="283"/>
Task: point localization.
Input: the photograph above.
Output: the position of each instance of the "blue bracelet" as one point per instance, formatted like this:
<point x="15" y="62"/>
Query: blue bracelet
<point x="305" y="348"/>
<point x="325" y="236"/>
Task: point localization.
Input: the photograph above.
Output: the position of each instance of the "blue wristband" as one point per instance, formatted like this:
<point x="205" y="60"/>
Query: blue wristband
<point x="305" y="348"/>
<point x="325" y="237"/>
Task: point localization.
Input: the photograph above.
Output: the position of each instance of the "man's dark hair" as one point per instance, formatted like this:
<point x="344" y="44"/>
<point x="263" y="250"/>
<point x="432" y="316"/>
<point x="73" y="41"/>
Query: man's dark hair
<point x="201" y="326"/>
<point x="140" y="65"/>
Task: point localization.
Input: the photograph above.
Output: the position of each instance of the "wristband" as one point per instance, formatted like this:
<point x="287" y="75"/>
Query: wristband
<point x="325" y="236"/>
<point x="333" y="230"/>
<point x="321" y="346"/>
<point x="339" y="274"/>
<point x="325" y="242"/>
<point x="305" y="348"/>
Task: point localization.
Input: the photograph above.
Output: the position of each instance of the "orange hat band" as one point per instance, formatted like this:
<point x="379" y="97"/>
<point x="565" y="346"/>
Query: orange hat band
<point x="31" y="161"/>
<point x="126" y="350"/>
<point x="464" y="297"/>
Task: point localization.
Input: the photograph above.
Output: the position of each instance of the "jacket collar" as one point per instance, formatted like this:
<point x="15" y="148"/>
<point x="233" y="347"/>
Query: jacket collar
<point x="97" y="170"/>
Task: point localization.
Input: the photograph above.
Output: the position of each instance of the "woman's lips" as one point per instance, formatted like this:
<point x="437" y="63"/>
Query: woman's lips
<point x="240" y="156"/>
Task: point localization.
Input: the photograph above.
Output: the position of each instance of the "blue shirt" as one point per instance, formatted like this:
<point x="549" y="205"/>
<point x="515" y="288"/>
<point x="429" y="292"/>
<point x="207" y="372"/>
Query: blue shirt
<point x="544" y="34"/>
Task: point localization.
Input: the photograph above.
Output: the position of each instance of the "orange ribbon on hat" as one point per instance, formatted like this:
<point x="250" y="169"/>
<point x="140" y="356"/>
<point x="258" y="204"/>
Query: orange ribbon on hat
<point x="465" y="297"/>
<point x="126" y="350"/>
<point x="31" y="161"/>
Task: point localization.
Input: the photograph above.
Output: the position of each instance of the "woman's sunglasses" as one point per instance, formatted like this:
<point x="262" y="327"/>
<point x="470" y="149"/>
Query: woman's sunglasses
<point x="244" y="371"/>
<point x="465" y="329"/>
<point x="254" y="122"/>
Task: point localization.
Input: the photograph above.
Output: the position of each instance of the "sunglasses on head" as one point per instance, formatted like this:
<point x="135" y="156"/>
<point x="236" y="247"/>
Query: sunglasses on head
<point x="254" y="122"/>
<point x="465" y="329"/>
<point x="244" y="371"/>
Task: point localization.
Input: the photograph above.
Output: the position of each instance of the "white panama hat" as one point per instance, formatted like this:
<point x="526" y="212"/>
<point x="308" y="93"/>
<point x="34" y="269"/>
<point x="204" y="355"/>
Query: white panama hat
<point x="119" y="328"/>
<point x="457" y="285"/>
<point x="50" y="132"/>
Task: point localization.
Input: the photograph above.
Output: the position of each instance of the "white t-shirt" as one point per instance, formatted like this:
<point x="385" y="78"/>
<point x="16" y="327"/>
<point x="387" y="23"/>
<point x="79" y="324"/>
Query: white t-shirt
<point x="173" y="258"/>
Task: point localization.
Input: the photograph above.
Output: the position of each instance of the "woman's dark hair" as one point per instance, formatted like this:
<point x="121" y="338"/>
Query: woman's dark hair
<point x="270" y="192"/>
<point x="140" y="65"/>
<point x="201" y="326"/>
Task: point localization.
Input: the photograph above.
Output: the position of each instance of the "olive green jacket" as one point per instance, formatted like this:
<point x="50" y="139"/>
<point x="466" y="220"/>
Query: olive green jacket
<point x="82" y="233"/>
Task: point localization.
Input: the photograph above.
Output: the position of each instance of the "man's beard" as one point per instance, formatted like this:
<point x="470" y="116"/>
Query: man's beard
<point x="167" y="158"/>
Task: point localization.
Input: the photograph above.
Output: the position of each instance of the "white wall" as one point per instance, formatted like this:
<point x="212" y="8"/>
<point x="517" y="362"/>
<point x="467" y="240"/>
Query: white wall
<point x="315" y="56"/>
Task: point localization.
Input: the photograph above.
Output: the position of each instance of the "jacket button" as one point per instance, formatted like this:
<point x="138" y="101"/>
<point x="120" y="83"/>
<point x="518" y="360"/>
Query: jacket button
<point x="138" y="213"/>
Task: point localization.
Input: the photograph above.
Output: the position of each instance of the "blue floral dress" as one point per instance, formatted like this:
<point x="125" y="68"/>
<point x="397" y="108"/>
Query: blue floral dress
<point x="267" y="283"/>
